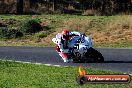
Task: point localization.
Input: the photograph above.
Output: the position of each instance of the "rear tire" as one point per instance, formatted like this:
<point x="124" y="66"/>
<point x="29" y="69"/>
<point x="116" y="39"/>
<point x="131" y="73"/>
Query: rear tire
<point x="95" y="55"/>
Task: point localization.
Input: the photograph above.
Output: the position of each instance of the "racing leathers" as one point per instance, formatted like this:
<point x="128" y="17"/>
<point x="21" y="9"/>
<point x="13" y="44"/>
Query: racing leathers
<point x="63" y="46"/>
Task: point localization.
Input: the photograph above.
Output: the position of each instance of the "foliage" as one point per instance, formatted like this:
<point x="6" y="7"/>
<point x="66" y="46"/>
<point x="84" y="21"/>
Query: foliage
<point x="31" y="26"/>
<point x="6" y="33"/>
<point x="3" y="32"/>
<point x="104" y="7"/>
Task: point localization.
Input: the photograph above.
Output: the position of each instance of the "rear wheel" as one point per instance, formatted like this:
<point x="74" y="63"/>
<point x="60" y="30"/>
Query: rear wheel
<point x="99" y="58"/>
<point x="93" y="55"/>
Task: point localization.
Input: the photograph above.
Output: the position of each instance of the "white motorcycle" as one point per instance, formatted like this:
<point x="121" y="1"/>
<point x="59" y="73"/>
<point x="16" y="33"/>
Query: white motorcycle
<point x="82" y="49"/>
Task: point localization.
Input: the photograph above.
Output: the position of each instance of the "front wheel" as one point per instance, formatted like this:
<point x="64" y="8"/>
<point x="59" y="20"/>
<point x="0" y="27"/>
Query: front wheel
<point x="77" y="58"/>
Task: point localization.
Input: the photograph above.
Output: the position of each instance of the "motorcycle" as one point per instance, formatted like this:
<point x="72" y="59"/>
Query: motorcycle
<point x="82" y="49"/>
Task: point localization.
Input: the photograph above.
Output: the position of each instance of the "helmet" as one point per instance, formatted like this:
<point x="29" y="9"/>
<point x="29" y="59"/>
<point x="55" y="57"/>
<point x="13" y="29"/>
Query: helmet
<point x="65" y="34"/>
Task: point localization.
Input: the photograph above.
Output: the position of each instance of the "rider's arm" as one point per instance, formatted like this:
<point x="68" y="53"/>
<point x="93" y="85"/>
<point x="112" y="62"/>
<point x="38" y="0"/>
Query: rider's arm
<point x="74" y="33"/>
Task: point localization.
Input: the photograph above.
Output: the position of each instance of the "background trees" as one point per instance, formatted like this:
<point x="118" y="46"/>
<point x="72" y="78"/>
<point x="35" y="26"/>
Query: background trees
<point x="86" y="7"/>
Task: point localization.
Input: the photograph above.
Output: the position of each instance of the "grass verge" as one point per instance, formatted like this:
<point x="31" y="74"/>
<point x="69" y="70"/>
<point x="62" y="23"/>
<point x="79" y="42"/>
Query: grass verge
<point x="20" y="75"/>
<point x="119" y="44"/>
<point x="105" y="31"/>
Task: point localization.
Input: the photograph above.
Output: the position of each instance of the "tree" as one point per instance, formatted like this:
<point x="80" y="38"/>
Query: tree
<point x="19" y="6"/>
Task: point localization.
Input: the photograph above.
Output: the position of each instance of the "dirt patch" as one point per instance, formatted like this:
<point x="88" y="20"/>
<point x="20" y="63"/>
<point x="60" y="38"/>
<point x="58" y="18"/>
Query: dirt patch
<point x="106" y="32"/>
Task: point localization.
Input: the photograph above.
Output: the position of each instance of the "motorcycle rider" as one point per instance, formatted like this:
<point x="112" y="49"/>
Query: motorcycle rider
<point x="63" y="47"/>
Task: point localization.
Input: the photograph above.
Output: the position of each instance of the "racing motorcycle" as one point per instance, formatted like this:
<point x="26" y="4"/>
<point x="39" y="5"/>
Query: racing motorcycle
<point x="82" y="49"/>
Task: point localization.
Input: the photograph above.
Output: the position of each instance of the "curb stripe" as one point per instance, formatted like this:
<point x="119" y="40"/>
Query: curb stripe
<point x="32" y="63"/>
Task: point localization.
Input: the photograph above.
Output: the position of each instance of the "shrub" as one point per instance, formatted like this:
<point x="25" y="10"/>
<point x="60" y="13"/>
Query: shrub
<point x="45" y="26"/>
<point x="3" y="32"/>
<point x="6" y="33"/>
<point x="31" y="26"/>
<point x="12" y="33"/>
<point x="18" y="34"/>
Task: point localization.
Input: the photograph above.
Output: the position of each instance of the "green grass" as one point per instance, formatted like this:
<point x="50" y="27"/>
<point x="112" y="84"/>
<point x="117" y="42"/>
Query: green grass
<point x="19" y="75"/>
<point x="57" y="20"/>
<point x="97" y="27"/>
<point x="119" y="44"/>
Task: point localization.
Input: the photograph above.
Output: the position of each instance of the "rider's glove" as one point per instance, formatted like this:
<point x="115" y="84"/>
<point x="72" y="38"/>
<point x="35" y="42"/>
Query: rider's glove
<point x="82" y="37"/>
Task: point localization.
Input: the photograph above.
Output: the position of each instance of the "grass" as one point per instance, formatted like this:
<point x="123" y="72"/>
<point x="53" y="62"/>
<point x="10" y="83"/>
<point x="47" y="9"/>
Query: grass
<point x="119" y="44"/>
<point x="105" y="31"/>
<point x="37" y="43"/>
<point x="20" y="75"/>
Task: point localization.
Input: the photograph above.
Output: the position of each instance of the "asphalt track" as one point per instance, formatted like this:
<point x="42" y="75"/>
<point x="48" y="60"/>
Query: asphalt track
<point x="119" y="60"/>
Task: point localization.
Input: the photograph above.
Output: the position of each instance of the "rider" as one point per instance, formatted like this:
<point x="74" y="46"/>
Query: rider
<point x="63" y="47"/>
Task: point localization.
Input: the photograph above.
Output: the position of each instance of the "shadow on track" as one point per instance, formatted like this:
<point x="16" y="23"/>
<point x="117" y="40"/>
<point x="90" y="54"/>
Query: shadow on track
<point x="107" y="62"/>
<point x="117" y="61"/>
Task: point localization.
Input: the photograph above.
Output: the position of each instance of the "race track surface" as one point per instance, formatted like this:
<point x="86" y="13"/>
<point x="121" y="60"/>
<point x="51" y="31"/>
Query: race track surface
<point x="119" y="60"/>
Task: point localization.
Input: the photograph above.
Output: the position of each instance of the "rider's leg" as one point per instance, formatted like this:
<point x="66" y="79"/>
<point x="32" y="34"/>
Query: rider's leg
<point x="64" y="57"/>
<point x="57" y="48"/>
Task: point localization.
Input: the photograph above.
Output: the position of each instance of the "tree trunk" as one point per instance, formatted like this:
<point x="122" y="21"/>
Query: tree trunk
<point x="53" y="5"/>
<point x="19" y="6"/>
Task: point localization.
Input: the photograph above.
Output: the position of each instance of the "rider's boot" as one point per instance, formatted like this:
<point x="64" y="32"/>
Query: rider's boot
<point x="66" y="60"/>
